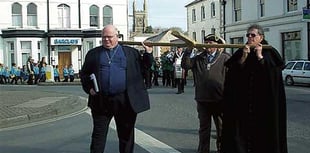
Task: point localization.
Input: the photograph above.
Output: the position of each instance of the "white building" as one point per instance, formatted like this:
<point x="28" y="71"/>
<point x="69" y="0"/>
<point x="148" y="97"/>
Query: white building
<point x="203" y="18"/>
<point x="60" y="30"/>
<point x="282" y="21"/>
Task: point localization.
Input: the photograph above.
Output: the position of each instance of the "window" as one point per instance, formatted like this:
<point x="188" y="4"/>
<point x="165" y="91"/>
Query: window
<point x="291" y="5"/>
<point x="203" y="33"/>
<point x="236" y="40"/>
<point x="213" y="30"/>
<point x="107" y="15"/>
<point x="291" y="44"/>
<point x="262" y="8"/>
<point x="17" y="15"/>
<point x="64" y="48"/>
<point x="203" y="13"/>
<point x="32" y="15"/>
<point x="39" y="45"/>
<point x="11" y="45"/>
<point x="94" y="16"/>
<point x="25" y="46"/>
<point x="12" y="58"/>
<point x="307" y="66"/>
<point x="90" y="44"/>
<point x="212" y="9"/>
<point x="298" y="66"/>
<point x="194" y="36"/>
<point x="25" y="58"/>
<point x="64" y="16"/>
<point x="237" y="10"/>
<point x="193" y="15"/>
<point x="289" y="65"/>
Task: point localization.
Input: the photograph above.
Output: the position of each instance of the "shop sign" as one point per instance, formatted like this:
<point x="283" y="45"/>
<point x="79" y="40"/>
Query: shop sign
<point x="306" y="14"/>
<point x="66" y="41"/>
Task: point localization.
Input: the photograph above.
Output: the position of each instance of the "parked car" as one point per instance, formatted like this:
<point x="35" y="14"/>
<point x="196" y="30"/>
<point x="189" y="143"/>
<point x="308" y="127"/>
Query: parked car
<point x="296" y="72"/>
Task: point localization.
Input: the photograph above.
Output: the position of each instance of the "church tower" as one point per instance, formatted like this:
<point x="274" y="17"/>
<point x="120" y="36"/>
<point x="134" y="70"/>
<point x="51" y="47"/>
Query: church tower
<point x="140" y="18"/>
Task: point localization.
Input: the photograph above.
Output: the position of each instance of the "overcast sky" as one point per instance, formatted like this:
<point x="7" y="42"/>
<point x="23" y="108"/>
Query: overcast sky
<point x="165" y="13"/>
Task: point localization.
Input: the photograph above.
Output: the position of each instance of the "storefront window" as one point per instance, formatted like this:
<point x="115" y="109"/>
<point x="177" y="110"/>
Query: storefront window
<point x="292" y="45"/>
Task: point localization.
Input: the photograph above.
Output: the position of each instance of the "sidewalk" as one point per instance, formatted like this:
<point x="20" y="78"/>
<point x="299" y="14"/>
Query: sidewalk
<point x="22" y="107"/>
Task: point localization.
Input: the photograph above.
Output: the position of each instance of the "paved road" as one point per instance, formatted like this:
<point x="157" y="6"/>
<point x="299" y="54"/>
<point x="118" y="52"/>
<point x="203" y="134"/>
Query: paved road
<point x="170" y="126"/>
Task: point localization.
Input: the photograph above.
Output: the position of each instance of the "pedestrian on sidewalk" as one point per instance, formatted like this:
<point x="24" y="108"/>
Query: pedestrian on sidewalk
<point x="122" y="93"/>
<point x="209" y="73"/>
<point x="65" y="73"/>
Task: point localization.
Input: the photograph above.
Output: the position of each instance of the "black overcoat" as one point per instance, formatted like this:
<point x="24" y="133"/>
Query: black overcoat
<point x="255" y="104"/>
<point x="136" y="91"/>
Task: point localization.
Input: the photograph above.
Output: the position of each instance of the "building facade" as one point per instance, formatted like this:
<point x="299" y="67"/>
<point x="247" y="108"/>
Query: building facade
<point x="282" y="21"/>
<point x="62" y="31"/>
<point x="204" y="17"/>
<point x="140" y="18"/>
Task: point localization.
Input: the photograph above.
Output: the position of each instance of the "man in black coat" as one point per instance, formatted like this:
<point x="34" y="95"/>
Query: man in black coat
<point x="121" y="91"/>
<point x="254" y="120"/>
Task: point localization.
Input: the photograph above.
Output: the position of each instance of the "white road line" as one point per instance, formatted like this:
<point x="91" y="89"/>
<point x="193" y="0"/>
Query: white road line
<point x="146" y="141"/>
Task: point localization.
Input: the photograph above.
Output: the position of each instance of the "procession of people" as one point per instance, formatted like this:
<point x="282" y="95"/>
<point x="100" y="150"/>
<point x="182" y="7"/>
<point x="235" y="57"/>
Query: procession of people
<point x="242" y="92"/>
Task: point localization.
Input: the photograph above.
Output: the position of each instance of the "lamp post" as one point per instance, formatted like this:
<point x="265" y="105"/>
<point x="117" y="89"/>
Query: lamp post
<point x="308" y="32"/>
<point x="223" y="2"/>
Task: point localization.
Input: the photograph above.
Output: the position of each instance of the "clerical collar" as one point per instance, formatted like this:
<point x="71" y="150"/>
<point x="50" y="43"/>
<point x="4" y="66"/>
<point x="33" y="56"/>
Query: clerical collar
<point x="111" y="49"/>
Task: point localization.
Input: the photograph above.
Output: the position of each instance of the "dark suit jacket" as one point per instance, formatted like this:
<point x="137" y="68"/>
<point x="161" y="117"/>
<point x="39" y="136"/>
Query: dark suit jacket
<point x="136" y="91"/>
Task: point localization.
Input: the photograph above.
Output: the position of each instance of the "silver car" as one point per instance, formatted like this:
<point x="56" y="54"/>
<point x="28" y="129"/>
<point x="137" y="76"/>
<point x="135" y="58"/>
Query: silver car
<point x="296" y="72"/>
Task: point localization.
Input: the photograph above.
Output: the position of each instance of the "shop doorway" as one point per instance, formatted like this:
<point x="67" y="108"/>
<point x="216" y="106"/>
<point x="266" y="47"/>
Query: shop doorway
<point x="64" y="58"/>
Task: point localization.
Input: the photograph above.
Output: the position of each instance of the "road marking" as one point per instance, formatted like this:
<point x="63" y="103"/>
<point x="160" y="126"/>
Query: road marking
<point x="146" y="141"/>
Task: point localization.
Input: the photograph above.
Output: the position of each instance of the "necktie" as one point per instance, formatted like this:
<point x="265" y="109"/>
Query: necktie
<point x="210" y="57"/>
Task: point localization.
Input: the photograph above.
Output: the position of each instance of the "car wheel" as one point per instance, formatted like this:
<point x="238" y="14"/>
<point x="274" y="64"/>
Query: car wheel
<point x="289" y="81"/>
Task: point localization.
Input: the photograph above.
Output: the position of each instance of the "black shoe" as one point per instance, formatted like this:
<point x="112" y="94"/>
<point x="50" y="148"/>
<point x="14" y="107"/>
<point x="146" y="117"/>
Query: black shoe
<point x="178" y="92"/>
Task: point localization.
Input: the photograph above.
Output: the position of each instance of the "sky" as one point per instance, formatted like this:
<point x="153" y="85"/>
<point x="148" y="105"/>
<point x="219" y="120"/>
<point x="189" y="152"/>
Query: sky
<point x="165" y="13"/>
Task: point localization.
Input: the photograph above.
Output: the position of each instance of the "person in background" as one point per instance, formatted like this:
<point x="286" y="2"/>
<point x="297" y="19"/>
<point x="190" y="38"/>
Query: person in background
<point x="13" y="73"/>
<point x="30" y="71"/>
<point x="179" y="72"/>
<point x="167" y="68"/>
<point x="6" y="74"/>
<point x="36" y="73"/>
<point x="24" y="74"/>
<point x="42" y="72"/>
<point x="254" y="118"/>
<point x="155" y="69"/>
<point x="209" y="73"/>
<point x="147" y="60"/>
<point x="56" y="73"/>
<point x="18" y="75"/>
<point x="65" y="72"/>
<point x="122" y="93"/>
<point x="1" y="73"/>
<point x="71" y="73"/>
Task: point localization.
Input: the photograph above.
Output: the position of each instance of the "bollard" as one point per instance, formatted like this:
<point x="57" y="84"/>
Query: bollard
<point x="49" y="73"/>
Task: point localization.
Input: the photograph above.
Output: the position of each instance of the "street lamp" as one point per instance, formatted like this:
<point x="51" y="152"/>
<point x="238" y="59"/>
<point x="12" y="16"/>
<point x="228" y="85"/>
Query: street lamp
<point x="308" y="32"/>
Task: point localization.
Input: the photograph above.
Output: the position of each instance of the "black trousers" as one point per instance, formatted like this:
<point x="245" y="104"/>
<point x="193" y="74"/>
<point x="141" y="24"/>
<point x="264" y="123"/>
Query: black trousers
<point x="179" y="82"/>
<point x="205" y="112"/>
<point x="117" y="106"/>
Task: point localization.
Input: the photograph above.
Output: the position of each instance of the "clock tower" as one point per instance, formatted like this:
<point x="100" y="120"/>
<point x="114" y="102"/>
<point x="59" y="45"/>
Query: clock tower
<point x="140" y="18"/>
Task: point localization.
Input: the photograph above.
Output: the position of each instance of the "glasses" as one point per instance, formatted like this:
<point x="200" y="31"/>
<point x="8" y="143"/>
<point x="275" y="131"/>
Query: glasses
<point x="108" y="37"/>
<point x="251" y="35"/>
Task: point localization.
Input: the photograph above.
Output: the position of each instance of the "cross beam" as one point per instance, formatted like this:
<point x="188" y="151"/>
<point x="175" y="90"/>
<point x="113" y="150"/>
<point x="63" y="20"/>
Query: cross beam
<point x="188" y="43"/>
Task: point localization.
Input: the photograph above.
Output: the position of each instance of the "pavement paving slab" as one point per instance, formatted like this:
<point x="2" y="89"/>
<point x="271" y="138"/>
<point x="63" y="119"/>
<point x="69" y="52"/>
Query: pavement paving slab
<point x="22" y="107"/>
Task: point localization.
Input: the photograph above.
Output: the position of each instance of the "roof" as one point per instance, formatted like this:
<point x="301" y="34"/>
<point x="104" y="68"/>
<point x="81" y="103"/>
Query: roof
<point x="193" y="2"/>
<point x="163" y="37"/>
